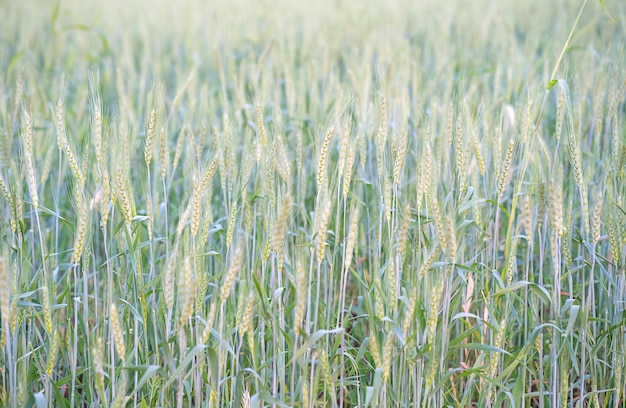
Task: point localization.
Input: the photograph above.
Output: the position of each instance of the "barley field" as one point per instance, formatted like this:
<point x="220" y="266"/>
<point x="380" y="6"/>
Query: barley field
<point x="341" y="203"/>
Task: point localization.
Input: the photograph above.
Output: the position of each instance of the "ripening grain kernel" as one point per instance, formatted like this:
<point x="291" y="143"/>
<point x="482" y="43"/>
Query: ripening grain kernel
<point x="197" y="198"/>
<point x="322" y="161"/>
<point x="52" y="354"/>
<point x="301" y="296"/>
<point x="400" y="157"/>
<point x="281" y="223"/>
<point x="560" y="109"/>
<point x="441" y="231"/>
<point x="392" y="284"/>
<point x="597" y="219"/>
<point x="5" y="191"/>
<point x="451" y="239"/>
<point x="387" y="200"/>
<point x="81" y="226"/>
<point x="556" y="207"/>
<point x="479" y="157"/>
<point x="231" y="276"/>
<point x="209" y="322"/>
<point x="179" y="147"/>
<point x="124" y="198"/>
<point x="29" y="159"/>
<point x="47" y="310"/>
<point x="186" y="291"/>
<point x="379" y="300"/>
<point x="150" y="138"/>
<point x="427" y="263"/>
<point x="387" y="351"/>
<point x="164" y="155"/>
<point x="505" y="170"/>
<point x="259" y="122"/>
<point x="322" y="231"/>
<point x="375" y="350"/>
<point x="427" y="171"/>
<point x="348" y="176"/>
<point x="404" y="230"/>
<point x="527" y="215"/>
<point x="118" y="331"/>
<point x="408" y="315"/>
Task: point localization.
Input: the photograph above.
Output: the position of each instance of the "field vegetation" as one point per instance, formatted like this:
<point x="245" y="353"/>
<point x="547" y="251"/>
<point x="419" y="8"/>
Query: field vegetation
<point x="331" y="203"/>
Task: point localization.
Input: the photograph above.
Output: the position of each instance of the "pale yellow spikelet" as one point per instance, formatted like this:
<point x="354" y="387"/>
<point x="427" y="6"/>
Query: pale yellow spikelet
<point x="505" y="169"/>
<point x="560" y="110"/>
<point x="460" y="155"/>
<point x="428" y="160"/>
<point x="512" y="263"/>
<point x="81" y="226"/>
<point x="179" y="147"/>
<point x="479" y="156"/>
<point x="118" y="331"/>
<point x="379" y="300"/>
<point x="186" y="291"/>
<point x="231" y="276"/>
<point x="150" y="137"/>
<point x="408" y="316"/>
<point x="96" y="128"/>
<point x="123" y="197"/>
<point x="375" y="351"/>
<point x="352" y="238"/>
<point x="281" y="223"/>
<point x="197" y="199"/>
<point x="439" y="227"/>
<point x="451" y="239"/>
<point x="575" y="158"/>
<point x="597" y="219"/>
<point x="209" y="322"/>
<point x="168" y="280"/>
<point x="392" y="277"/>
<point x="231" y="224"/>
<point x="301" y="297"/>
<point x="47" y="310"/>
<point x="322" y="231"/>
<point x="433" y="311"/>
<point x="527" y="215"/>
<point x="52" y="354"/>
<point x="400" y="157"/>
<point x="617" y="100"/>
<point x="387" y="200"/>
<point x="432" y="256"/>
<point x="65" y="146"/>
<point x="4" y="188"/>
<point x="305" y="393"/>
<point x="27" y="136"/>
<point x="555" y="253"/>
<point x="450" y="125"/>
<point x="362" y="142"/>
<point x="321" y="354"/>
<point x="261" y="126"/>
<point x="348" y="174"/>
<point x="527" y="123"/>
<point x="387" y="353"/>
<point x="164" y="154"/>
<point x="120" y="392"/>
<point x="614" y="240"/>
<point x="106" y="198"/>
<point x="322" y="161"/>
<point x="556" y="207"/>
